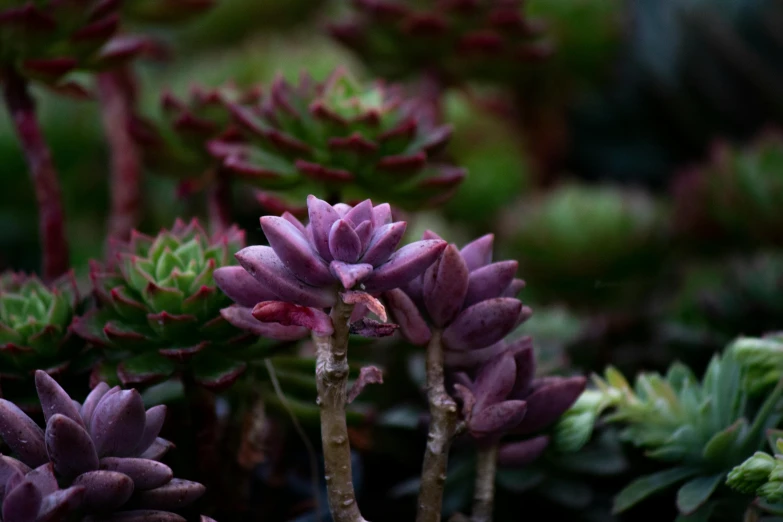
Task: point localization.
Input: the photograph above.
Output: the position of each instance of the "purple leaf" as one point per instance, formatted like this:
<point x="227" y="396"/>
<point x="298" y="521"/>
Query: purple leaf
<point x="367" y="375"/>
<point x="350" y="274"/>
<point x="70" y="447"/>
<point x="364" y="232"/>
<point x="522" y="453"/>
<point x="467" y="399"/>
<point x="56" y="506"/>
<point x="525" y="358"/>
<point x="495" y="380"/>
<point x="405" y="264"/>
<point x="93" y="399"/>
<point x="470" y="359"/>
<point x="405" y="313"/>
<point x="154" y="419"/>
<point x="445" y="285"/>
<point x="548" y="403"/>
<point x="118" y="424"/>
<point x="289" y="314"/>
<point x="9" y="467"/>
<point x="497" y="419"/>
<point x="22" y="503"/>
<point x="139" y="515"/>
<point x="370" y="328"/>
<point x="322" y="217"/>
<point x="344" y="243"/>
<point x="263" y="264"/>
<point x="44" y="479"/>
<point x="482" y="324"/>
<point x="104" y="490"/>
<point x="145" y="473"/>
<point x="381" y="215"/>
<point x="243" y="319"/>
<point x="490" y="281"/>
<point x="514" y="288"/>
<point x="365" y="299"/>
<point x="295" y="251"/>
<point x="173" y="496"/>
<point x="478" y="253"/>
<point x="360" y="213"/>
<point x="240" y="286"/>
<point x="54" y="399"/>
<point x="157" y="449"/>
<point x="22" y="435"/>
<point x="383" y="243"/>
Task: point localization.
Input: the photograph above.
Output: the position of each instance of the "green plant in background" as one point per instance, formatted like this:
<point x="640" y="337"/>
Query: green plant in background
<point x="587" y="244"/>
<point x="762" y="475"/>
<point x="700" y="429"/>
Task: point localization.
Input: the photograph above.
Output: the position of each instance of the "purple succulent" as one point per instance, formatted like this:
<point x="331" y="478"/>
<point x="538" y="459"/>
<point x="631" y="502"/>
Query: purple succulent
<point x="344" y="252"/>
<point x="464" y="294"/>
<point x="106" y="451"/>
<point x="503" y="397"/>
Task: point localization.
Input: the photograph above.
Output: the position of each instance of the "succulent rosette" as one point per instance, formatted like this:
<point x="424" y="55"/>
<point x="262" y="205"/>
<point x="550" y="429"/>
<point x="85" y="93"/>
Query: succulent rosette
<point x="503" y="397"/>
<point x="465" y="295"/>
<point x="46" y="40"/>
<point x="104" y="452"/>
<point x="160" y="308"/>
<point x="456" y="39"/>
<point x="345" y="253"/>
<point x="34" y="327"/>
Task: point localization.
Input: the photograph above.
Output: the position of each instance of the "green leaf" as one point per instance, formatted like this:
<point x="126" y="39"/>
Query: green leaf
<point x="518" y="480"/>
<point x="702" y="514"/>
<point x="695" y="493"/>
<point x="643" y="487"/>
<point x="145" y="369"/>
<point x="165" y="264"/>
<point x="215" y="372"/>
<point x="723" y="443"/>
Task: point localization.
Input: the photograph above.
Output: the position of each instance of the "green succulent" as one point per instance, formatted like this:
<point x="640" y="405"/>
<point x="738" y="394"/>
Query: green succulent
<point x="700" y="429"/>
<point x="159" y="309"/>
<point x="762" y="475"/>
<point x="588" y="242"/>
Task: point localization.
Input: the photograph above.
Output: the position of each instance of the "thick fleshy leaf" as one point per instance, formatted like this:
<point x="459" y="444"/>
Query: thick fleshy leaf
<point x="157" y="449"/>
<point x="241" y="287"/>
<point x="216" y="372"/>
<point x="69" y="446"/>
<point x="118" y="424"/>
<point x="647" y="485"/>
<point x="289" y="314"/>
<point x="56" y="506"/>
<point x="145" y="368"/>
<point x="138" y="515"/>
<point x="525" y="359"/>
<point x="694" y="493"/>
<point x="263" y="264"/>
<point x="469" y="359"/>
<point x="367" y="375"/>
<point x="490" y="281"/>
<point x="383" y="243"/>
<point x="478" y="252"/>
<point x="22" y="435"/>
<point x="367" y="327"/>
<point x="54" y="399"/>
<point x="496" y="419"/>
<point x="350" y="275"/>
<point x="445" y="285"/>
<point x="44" y="479"/>
<point x="104" y="490"/>
<point x="406" y="314"/>
<point x="522" y="453"/>
<point x="405" y="264"/>
<point x="495" y="380"/>
<point x="145" y="473"/>
<point x="173" y="496"/>
<point x="9" y="467"/>
<point x="322" y="217"/>
<point x="22" y="503"/>
<point x="92" y="400"/>
<point x="295" y="251"/>
<point x="482" y="324"/>
<point x="344" y="243"/>
<point x="243" y="319"/>
<point x="360" y="213"/>
<point x="154" y="419"/>
<point x="367" y="301"/>
<point x="547" y="404"/>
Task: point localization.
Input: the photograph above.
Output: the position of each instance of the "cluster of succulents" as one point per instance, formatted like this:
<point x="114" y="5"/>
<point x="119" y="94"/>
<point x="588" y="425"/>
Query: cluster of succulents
<point x="105" y="452"/>
<point x="335" y="138"/>
<point x="455" y="40"/>
<point x="159" y="309"/>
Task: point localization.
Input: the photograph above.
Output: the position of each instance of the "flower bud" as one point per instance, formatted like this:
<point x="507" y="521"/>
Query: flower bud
<point x="752" y="474"/>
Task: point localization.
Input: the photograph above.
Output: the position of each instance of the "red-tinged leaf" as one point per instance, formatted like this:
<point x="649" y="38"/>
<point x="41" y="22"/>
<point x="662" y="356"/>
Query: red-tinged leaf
<point x="406" y="165"/>
<point x="370" y="328"/>
<point x="373" y="304"/>
<point x="367" y="375"/>
<point x="484" y="42"/>
<point x="241" y="318"/>
<point x="354" y="143"/>
<point x="170" y="326"/>
<point x="429" y="25"/>
<point x="99" y="30"/>
<point x="147" y="368"/>
<point x="183" y="354"/>
<point x="287" y="144"/>
<point x="215" y="372"/>
<point x="275" y="205"/>
<point x="49" y="69"/>
<point x="289" y="314"/>
<point x="321" y="173"/>
<point x="405" y="313"/>
<point x="28" y="17"/>
<point x="126" y="305"/>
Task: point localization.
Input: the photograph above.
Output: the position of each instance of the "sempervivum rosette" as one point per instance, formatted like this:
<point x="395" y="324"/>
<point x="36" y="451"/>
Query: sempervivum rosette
<point x="503" y="397"/>
<point x="160" y="308"/>
<point x="34" y="322"/>
<point x="456" y="39"/>
<point x="105" y="452"/>
<point x="46" y="40"/>
<point x="466" y="296"/>
<point x="344" y="252"/>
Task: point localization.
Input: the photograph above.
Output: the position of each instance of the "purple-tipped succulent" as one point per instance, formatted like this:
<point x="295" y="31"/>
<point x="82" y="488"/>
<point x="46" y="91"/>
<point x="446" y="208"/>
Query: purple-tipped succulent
<point x="465" y="295"/>
<point x="503" y="397"/>
<point x="105" y="452"/>
<point x="344" y="253"/>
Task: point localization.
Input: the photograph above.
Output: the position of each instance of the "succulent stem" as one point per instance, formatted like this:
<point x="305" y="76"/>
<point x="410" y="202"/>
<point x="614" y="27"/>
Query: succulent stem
<point x="219" y="202"/>
<point x="204" y="425"/>
<point x="484" y="492"/>
<point x="51" y="220"/>
<point x="331" y="375"/>
<point x="116" y="95"/>
<point x="443" y="423"/>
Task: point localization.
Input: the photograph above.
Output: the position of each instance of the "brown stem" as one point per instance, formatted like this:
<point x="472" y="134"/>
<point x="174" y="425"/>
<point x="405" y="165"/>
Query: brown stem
<point x="39" y="160"/>
<point x="204" y="428"/>
<point x="116" y="95"/>
<point x="443" y="423"/>
<point x="484" y="492"/>
<point x="331" y="374"/>
<point x="219" y="202"/>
